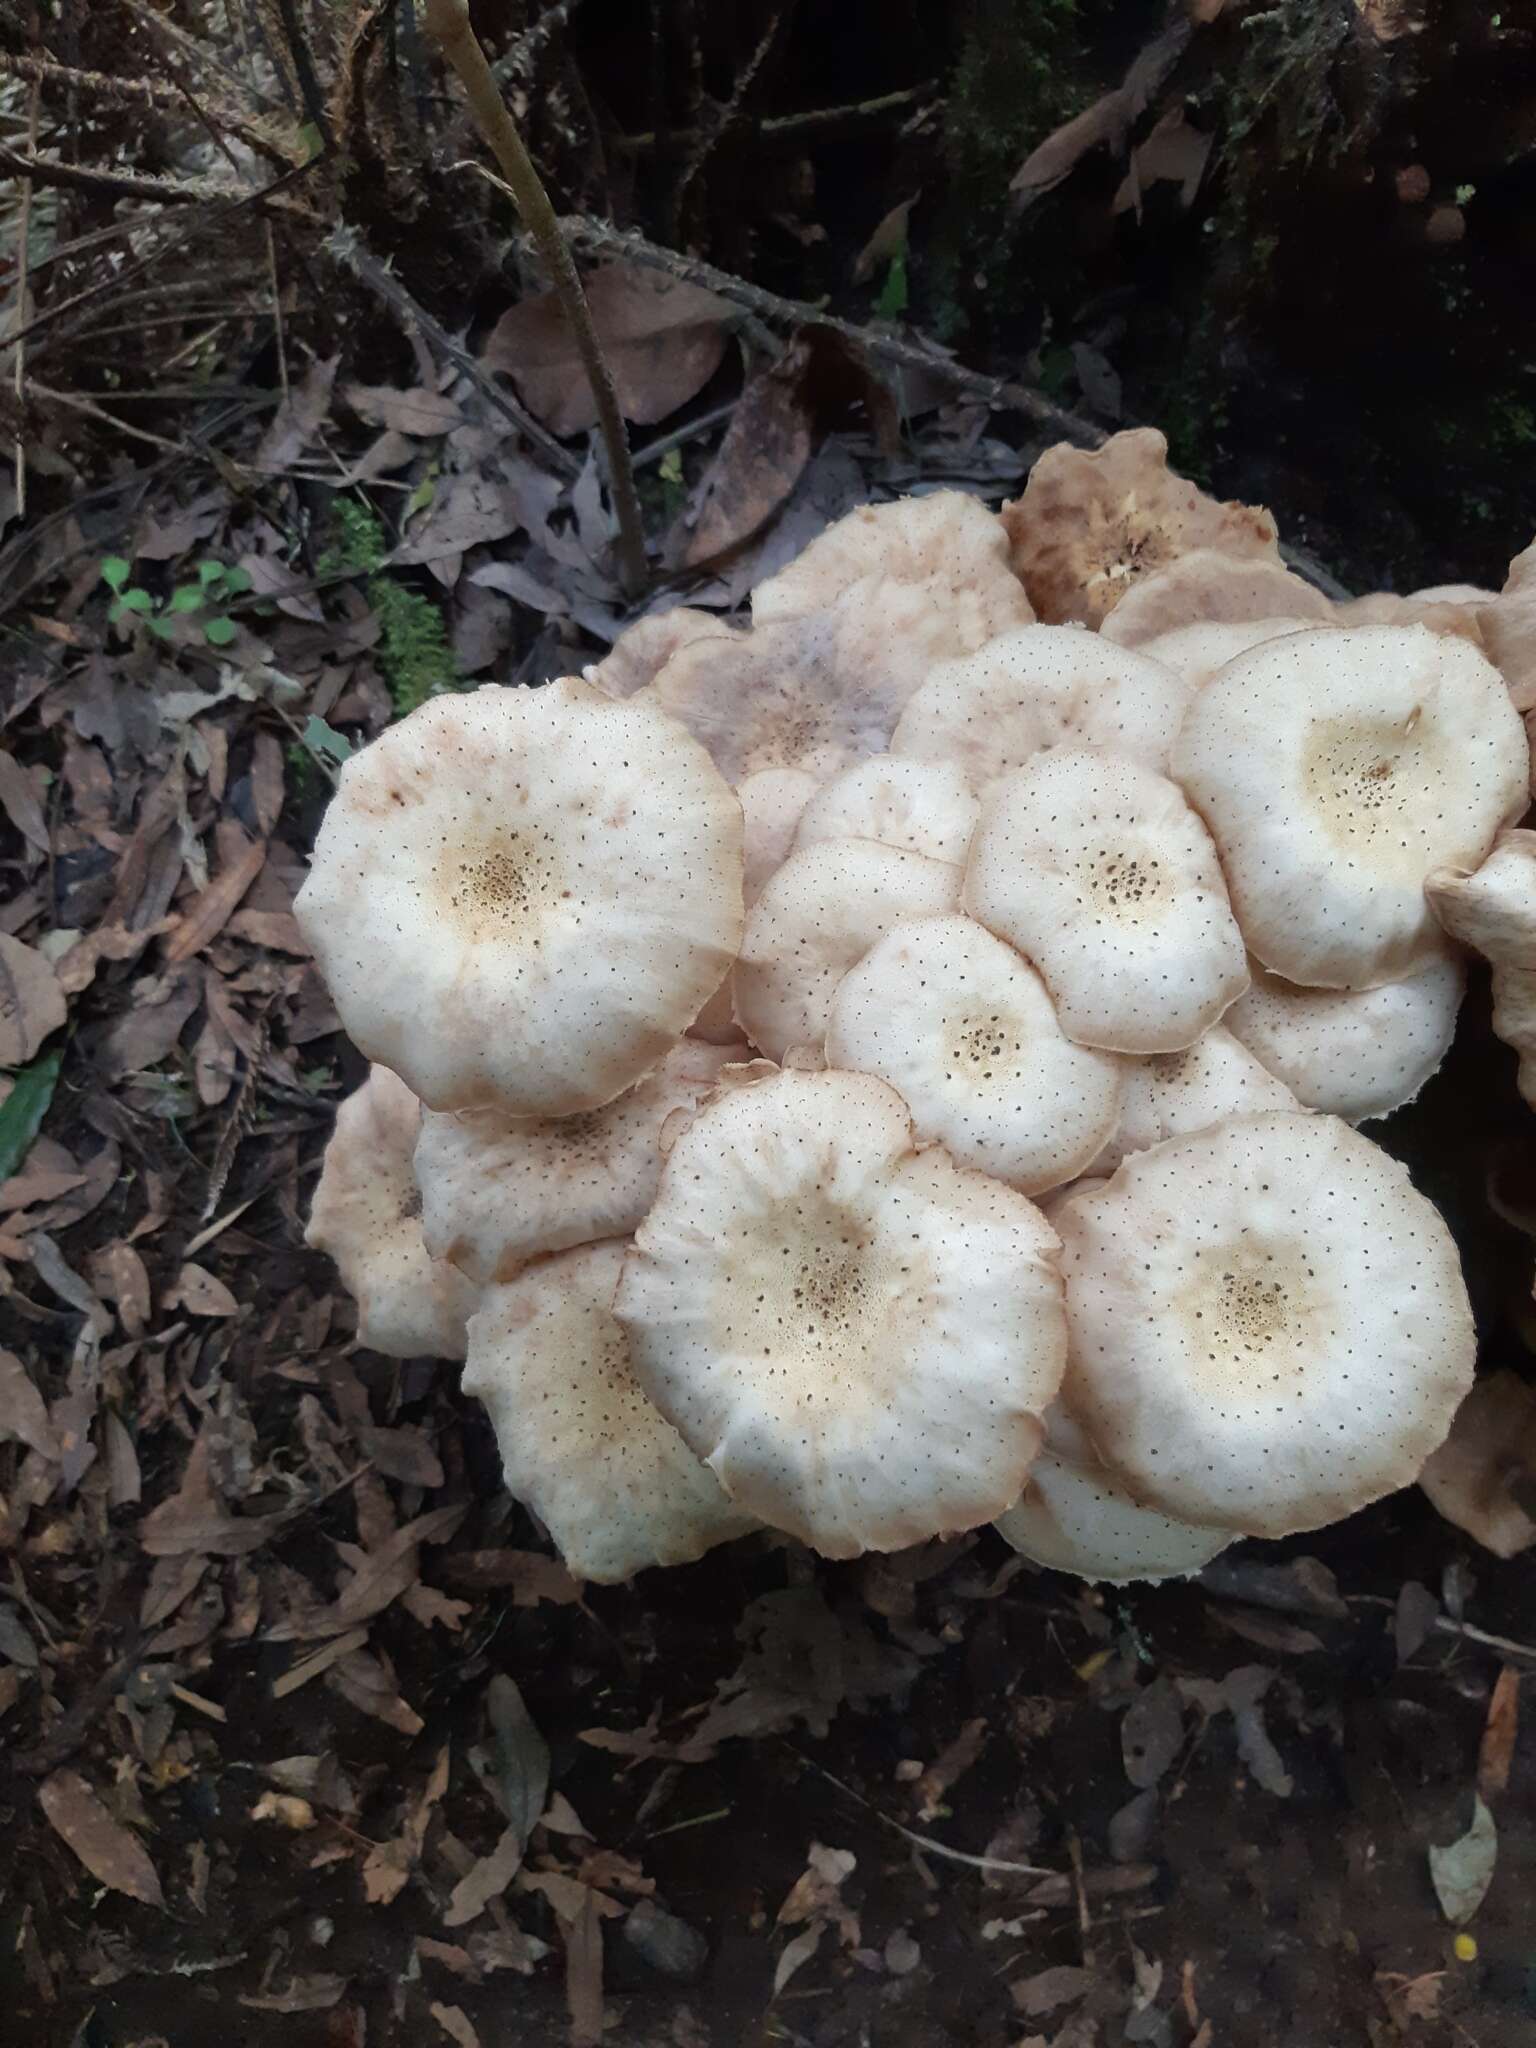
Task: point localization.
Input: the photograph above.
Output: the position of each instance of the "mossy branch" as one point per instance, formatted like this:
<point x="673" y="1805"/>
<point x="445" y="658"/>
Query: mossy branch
<point x="449" y="24"/>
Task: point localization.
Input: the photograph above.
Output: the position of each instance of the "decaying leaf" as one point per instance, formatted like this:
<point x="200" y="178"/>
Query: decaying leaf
<point x="298" y="419"/>
<point x="1496" y="1751"/>
<point x="418" y="411"/>
<point x="456" y="2024"/>
<point x="815" y="1901"/>
<point x="388" y="1864"/>
<point x="1175" y="152"/>
<point x="1105" y="124"/>
<point x="1462" y="1871"/>
<point x="520" y="1777"/>
<point x="113" y="1856"/>
<point x="31" y="1001"/>
<point x="948" y="1767"/>
<point x="1410" y="1998"/>
<point x="23" y="1411"/>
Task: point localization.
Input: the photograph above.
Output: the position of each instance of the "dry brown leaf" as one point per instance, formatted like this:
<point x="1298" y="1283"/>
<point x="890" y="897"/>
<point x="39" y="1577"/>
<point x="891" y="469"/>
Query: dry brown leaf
<point x="418" y="411"/>
<point x="18" y="799"/>
<point x="315" y="1993"/>
<point x="1106" y="123"/>
<point x="212" y="909"/>
<point x="758" y="463"/>
<point x="191" y="1519"/>
<point x="888" y="241"/>
<point x="388" y="1864"/>
<point x="456" y="2024"/>
<point x="201" y="1293"/>
<point x="298" y="419"/>
<point x="23" y="1411"/>
<point x="369" y="1684"/>
<point x="948" y="1767"/>
<point x="1496" y="1751"/>
<point x="31" y="1001"/>
<point x="1483" y="1477"/>
<point x="528" y="1575"/>
<point x="1410" y="1998"/>
<point x="580" y="1911"/>
<point x="112" y="1855"/>
<point x="663" y="339"/>
<point x="1174" y="153"/>
<point x="486" y="1879"/>
<point x="122" y="1278"/>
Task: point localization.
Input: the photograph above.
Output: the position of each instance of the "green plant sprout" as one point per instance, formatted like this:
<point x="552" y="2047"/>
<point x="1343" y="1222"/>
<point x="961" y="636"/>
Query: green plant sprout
<point x="200" y="602"/>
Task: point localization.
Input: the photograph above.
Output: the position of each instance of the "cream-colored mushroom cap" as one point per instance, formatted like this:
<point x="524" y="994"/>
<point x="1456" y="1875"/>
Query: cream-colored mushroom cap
<point x="964" y="1031"/>
<point x="1089" y="527"/>
<point x="921" y="807"/>
<point x="773" y="802"/>
<point x="1207" y="586"/>
<point x="1463" y="621"/>
<point x="644" y="649"/>
<point x="1101" y="874"/>
<point x="1335" y="770"/>
<point x="1494" y="911"/>
<point x="367" y="1217"/>
<point x="1509" y="629"/>
<point x="991" y="711"/>
<point x="1357" y="1053"/>
<point x="607" y="1475"/>
<point x="1173" y="1094"/>
<point x="858" y="1338"/>
<point x="945" y="543"/>
<point x="1269" y="1324"/>
<point x="820" y="913"/>
<point x="518" y="898"/>
<point x="1196" y="652"/>
<point x="497" y="1191"/>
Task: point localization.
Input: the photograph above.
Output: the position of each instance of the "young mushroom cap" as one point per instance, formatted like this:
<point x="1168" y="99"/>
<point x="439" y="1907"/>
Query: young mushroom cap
<point x="1509" y="629"/>
<point x="367" y="1217"/>
<point x="518" y="898"/>
<point x="1101" y="874"/>
<point x="1207" y="587"/>
<point x="604" y="1471"/>
<point x="1196" y="652"/>
<point x="1335" y="770"/>
<point x="497" y="1191"/>
<point x="644" y="649"/>
<point x="1174" y="1094"/>
<point x="1269" y="1325"/>
<point x="1088" y="527"/>
<point x="1494" y="911"/>
<point x="1483" y="1477"/>
<point x="825" y="908"/>
<point x="964" y="1031"/>
<point x="1356" y="1053"/>
<point x="921" y="807"/>
<point x="858" y="1338"/>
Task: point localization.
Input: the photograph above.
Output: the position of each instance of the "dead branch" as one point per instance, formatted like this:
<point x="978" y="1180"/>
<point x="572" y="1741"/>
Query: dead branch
<point x="141" y="92"/>
<point x="788" y="128"/>
<point x="732" y="114"/>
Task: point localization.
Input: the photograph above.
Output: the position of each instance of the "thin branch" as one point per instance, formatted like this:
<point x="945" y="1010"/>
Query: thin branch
<point x="732" y="115"/>
<point x="448" y="22"/>
<point x="23" y="286"/>
<point x="785" y="128"/>
<point x="141" y="92"/>
<point x="73" y="402"/>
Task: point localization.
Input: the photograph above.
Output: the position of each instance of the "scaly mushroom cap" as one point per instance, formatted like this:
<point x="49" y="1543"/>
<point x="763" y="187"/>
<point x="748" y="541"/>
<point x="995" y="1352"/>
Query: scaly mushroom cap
<point x="1494" y="911"/>
<point x="921" y="807"/>
<point x="644" y="649"/>
<point x="1099" y="871"/>
<point x="825" y="908"/>
<point x="607" y="1475"/>
<point x="859" y="1339"/>
<point x="1335" y="770"/>
<point x="497" y="1191"/>
<point x="964" y="1031"/>
<point x="1509" y="629"/>
<point x="1196" y="652"/>
<point x="1209" y="587"/>
<point x="1269" y="1324"/>
<point x="945" y="543"/>
<point x="518" y="898"/>
<point x="992" y="711"/>
<point x="1357" y="1053"/>
<point x="366" y="1215"/>
<point x="1175" y="1094"/>
<point x="1090" y="526"/>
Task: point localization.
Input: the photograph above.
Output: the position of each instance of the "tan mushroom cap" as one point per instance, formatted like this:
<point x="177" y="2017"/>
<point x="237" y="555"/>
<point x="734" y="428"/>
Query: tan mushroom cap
<point x="990" y="712"/>
<point x="1509" y="629"/>
<point x="1336" y="770"/>
<point x="1098" y="871"/>
<point x="1175" y="1094"/>
<point x="1088" y="527"/>
<point x="1491" y="1451"/>
<point x="1463" y="621"/>
<point x="367" y="1217"/>
<point x="607" y="1475"/>
<point x="644" y="649"/>
<point x="773" y="802"/>
<point x="1493" y="910"/>
<point x="945" y="543"/>
<point x="1208" y="587"/>
<point x="1269" y="1325"/>
<point x="1356" y="1053"/>
<point x="921" y="807"/>
<point x="858" y="1338"/>
<point x="820" y="913"/>
<point x="964" y="1030"/>
<point x="497" y="1191"/>
<point x="1196" y="652"/>
<point x="518" y="898"/>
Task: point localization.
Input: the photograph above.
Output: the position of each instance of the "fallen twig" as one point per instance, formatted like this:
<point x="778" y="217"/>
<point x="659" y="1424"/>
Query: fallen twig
<point x="787" y="128"/>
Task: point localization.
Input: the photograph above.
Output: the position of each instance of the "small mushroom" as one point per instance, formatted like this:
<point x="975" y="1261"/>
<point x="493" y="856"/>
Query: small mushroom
<point x="1101" y="874"/>
<point x="1483" y="1477"/>
<point x="607" y="1475"/>
<point x="917" y="806"/>
<point x="1209" y="587"/>
<point x="1493" y="910"/>
<point x="1269" y="1326"/>
<point x="518" y="898"/>
<point x="1088" y="527"/>
<point x="858" y="1338"/>
<point x="1335" y="770"/>
<point x="644" y="649"/>
<point x="1175" y="1094"/>
<point x="965" y="1032"/>
<point x="366" y="1215"/>
<point x="1357" y="1053"/>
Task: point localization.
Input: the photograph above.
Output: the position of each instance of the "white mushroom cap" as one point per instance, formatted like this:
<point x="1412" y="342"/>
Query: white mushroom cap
<point x="991" y="711"/>
<point x="1099" y="871"/>
<point x="1494" y="911"/>
<point x="1196" y="652"/>
<point x="1269" y="1324"/>
<point x="964" y="1031"/>
<point x="946" y="543"/>
<point x="1175" y="1094"/>
<point x="1439" y="614"/>
<point x="606" y="1474"/>
<point x="367" y="1217"/>
<point x="1088" y="527"/>
<point x="497" y="1191"/>
<point x="820" y="913"/>
<point x="644" y="649"/>
<point x="1335" y="770"/>
<point x="1357" y="1053"/>
<point x="1207" y="586"/>
<point x="1509" y="629"/>
<point x="857" y="1338"/>
<point x="773" y="802"/>
<point x="1454" y="593"/>
<point x="919" y="806"/>
<point x="518" y="898"/>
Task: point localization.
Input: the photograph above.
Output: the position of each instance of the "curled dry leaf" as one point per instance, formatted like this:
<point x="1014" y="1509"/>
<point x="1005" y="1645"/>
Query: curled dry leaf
<point x="31" y="1001"/>
<point x="112" y="1855"/>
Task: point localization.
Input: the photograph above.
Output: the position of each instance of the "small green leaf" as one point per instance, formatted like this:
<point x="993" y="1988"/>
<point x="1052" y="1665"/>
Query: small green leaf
<point x="23" y="1110"/>
<point x="324" y="740"/>
<point x="893" y="293"/>
<point x="219" y="632"/>
<point x="115" y="571"/>
<point x="161" y="627"/>
<point x="209" y="572"/>
<point x="421" y="497"/>
<point x="186" y="597"/>
<point x="236" y="582"/>
<point x="137" y="600"/>
<point x="670" y="467"/>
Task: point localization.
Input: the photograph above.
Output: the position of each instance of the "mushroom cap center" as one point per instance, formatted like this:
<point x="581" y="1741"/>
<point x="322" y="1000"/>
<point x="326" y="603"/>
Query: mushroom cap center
<point x="1369" y="780"/>
<point x="504" y="883"/>
<point x="1120" y="882"/>
<point x="982" y="1046"/>
<point x="1251" y="1310"/>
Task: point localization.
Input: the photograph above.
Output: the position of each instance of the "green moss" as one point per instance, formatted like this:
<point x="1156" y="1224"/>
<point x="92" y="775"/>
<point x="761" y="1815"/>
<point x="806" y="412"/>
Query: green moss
<point x="413" y="652"/>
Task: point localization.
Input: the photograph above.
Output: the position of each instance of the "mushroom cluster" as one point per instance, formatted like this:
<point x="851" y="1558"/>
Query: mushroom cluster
<point x="898" y="1065"/>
